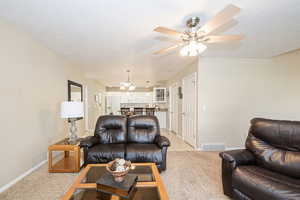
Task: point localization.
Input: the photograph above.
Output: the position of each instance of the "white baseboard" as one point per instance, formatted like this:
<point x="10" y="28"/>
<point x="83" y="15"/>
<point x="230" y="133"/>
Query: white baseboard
<point x="11" y="183"/>
<point x="212" y="148"/>
<point x="234" y="148"/>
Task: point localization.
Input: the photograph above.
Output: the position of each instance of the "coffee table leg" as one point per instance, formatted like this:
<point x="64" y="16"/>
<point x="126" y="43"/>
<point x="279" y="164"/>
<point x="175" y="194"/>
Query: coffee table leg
<point x="77" y="159"/>
<point x="67" y="154"/>
<point x="49" y="160"/>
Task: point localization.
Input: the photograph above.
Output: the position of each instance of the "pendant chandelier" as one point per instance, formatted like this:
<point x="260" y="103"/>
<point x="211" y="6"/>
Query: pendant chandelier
<point x="127" y="85"/>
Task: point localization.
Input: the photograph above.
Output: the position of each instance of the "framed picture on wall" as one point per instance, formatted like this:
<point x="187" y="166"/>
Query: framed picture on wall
<point x="180" y="95"/>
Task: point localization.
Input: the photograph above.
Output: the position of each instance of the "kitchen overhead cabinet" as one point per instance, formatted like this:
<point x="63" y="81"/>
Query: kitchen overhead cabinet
<point x="115" y="99"/>
<point x="141" y="97"/>
<point x="160" y="95"/>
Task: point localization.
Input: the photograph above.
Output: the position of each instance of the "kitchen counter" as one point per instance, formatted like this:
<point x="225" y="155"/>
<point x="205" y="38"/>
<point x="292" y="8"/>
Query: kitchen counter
<point x="162" y="110"/>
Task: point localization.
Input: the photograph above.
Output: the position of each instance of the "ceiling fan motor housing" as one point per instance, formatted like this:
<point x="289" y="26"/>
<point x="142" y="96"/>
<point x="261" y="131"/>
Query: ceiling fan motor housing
<point x="193" y="22"/>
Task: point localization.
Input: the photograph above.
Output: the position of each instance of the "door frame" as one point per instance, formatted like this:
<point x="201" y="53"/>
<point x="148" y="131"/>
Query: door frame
<point x="170" y="107"/>
<point x="173" y="102"/>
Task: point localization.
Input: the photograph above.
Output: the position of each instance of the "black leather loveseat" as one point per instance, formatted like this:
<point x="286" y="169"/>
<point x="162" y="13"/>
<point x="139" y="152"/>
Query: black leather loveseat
<point x="136" y="138"/>
<point x="269" y="167"/>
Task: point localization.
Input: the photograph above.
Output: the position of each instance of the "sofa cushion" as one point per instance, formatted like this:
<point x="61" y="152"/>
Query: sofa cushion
<point x="278" y="133"/>
<point x="263" y="184"/>
<point x="142" y="129"/>
<point x="143" y="153"/>
<point x="111" y="129"/>
<point x="269" y="141"/>
<point x="276" y="159"/>
<point x="104" y="153"/>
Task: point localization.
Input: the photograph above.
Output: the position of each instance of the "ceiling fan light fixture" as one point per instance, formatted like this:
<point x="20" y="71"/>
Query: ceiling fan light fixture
<point x="132" y="87"/>
<point x="122" y="87"/>
<point x="193" y="49"/>
<point x="127" y="85"/>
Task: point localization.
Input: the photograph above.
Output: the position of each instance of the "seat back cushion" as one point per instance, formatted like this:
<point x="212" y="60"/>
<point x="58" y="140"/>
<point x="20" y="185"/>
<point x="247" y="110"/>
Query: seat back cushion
<point x="142" y="129"/>
<point x="111" y="129"/>
<point x="276" y="145"/>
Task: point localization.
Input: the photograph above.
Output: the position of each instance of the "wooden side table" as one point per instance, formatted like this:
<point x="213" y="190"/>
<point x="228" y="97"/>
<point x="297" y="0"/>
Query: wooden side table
<point x="70" y="161"/>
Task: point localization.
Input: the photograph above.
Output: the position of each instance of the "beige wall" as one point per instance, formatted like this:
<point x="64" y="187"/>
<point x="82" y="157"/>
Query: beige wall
<point x="232" y="91"/>
<point x="33" y="83"/>
<point x="191" y="68"/>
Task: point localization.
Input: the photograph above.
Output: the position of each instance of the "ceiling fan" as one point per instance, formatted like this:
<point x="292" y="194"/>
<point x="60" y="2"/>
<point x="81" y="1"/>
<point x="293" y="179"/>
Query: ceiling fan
<point x="195" y="37"/>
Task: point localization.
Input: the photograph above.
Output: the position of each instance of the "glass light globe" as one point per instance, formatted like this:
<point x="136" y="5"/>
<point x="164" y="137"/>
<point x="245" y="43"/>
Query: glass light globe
<point x="126" y="84"/>
<point x="122" y="87"/>
<point x="192" y="49"/>
<point x="184" y="50"/>
<point x="131" y="87"/>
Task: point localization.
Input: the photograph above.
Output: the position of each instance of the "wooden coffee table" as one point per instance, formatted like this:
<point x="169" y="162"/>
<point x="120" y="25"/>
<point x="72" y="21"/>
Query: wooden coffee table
<point x="149" y="185"/>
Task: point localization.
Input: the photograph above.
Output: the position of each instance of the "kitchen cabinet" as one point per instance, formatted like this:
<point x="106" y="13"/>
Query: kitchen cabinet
<point x="162" y="118"/>
<point x="115" y="99"/>
<point x="138" y="97"/>
<point x="160" y="95"/>
<point x="113" y="104"/>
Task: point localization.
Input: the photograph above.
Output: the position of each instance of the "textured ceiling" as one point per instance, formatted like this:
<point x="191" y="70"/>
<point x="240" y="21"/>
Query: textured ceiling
<point x="109" y="36"/>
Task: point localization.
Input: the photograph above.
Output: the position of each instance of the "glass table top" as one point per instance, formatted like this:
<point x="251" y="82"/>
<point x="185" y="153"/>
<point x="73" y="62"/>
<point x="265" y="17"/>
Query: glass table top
<point x="142" y="193"/>
<point x="149" y="186"/>
<point x="144" y="174"/>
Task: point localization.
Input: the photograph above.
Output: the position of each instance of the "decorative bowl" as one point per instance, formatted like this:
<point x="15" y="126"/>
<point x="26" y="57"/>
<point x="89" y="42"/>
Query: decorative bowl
<point x="118" y="175"/>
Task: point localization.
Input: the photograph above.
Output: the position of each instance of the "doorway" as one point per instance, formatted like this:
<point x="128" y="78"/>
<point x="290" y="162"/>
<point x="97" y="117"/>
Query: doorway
<point x="189" y="109"/>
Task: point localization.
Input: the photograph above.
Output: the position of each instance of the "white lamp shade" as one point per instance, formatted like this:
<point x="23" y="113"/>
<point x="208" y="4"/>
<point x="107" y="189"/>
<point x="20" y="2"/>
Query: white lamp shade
<point x="71" y="109"/>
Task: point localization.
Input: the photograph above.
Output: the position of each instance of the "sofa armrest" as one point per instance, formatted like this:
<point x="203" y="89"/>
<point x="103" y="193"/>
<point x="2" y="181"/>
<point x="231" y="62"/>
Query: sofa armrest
<point x="89" y="141"/>
<point x="238" y="157"/>
<point x="162" y="141"/>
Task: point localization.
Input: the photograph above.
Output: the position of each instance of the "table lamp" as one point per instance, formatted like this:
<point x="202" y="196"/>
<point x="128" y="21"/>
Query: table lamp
<point x="72" y="110"/>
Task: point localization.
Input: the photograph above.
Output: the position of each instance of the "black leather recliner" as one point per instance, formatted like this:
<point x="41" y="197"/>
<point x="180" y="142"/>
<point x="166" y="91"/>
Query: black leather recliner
<point x="269" y="167"/>
<point x="136" y="138"/>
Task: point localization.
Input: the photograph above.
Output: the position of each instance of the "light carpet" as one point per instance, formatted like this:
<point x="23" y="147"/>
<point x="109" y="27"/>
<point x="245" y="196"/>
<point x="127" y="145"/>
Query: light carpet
<point x="191" y="175"/>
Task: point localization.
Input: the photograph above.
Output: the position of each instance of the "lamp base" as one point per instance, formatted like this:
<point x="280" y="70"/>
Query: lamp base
<point x="73" y="129"/>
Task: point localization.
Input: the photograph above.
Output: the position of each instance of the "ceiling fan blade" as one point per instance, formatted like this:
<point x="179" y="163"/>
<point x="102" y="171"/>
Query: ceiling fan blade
<point x="168" y="39"/>
<point x="168" y="31"/>
<point x="222" y="38"/>
<point x="164" y="50"/>
<point x="221" y="18"/>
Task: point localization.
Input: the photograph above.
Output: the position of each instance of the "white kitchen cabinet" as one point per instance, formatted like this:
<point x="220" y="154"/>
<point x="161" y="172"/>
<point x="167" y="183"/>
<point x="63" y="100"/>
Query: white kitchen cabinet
<point x="162" y="118"/>
<point x="115" y="99"/>
<point x="124" y="98"/>
<point x="160" y="95"/>
<point x="137" y="97"/>
<point x="113" y="104"/>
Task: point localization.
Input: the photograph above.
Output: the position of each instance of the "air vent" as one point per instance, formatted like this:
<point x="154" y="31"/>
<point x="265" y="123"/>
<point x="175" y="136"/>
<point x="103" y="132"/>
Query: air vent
<point x="213" y="147"/>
